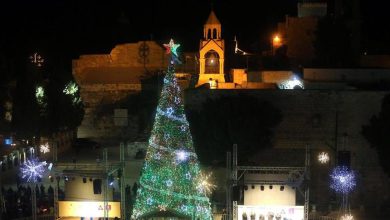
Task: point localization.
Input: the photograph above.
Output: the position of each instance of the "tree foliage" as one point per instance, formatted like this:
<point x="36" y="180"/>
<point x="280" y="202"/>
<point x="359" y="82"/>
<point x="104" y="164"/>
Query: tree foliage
<point x="59" y="111"/>
<point x="243" y="120"/>
<point x="377" y="133"/>
<point x="141" y="105"/>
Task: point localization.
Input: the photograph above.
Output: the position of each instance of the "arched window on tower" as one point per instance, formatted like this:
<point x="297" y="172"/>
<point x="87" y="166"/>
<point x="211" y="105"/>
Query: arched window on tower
<point x="212" y="62"/>
<point x="214" y="33"/>
<point x="209" y="34"/>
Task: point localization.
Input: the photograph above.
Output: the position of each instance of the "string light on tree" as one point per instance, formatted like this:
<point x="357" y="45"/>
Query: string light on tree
<point x="32" y="170"/>
<point x="323" y="157"/>
<point x="162" y="208"/>
<point x="171" y="173"/>
<point x="181" y="155"/>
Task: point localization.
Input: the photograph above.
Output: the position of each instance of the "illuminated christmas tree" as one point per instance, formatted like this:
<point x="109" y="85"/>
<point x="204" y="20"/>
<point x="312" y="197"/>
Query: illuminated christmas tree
<point x="171" y="179"/>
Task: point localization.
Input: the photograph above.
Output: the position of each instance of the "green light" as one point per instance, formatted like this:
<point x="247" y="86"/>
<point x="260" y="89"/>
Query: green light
<point x="171" y="177"/>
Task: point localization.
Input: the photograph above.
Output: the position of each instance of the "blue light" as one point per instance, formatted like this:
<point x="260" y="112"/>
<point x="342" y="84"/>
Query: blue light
<point x="342" y="180"/>
<point x="8" y="141"/>
<point x="32" y="170"/>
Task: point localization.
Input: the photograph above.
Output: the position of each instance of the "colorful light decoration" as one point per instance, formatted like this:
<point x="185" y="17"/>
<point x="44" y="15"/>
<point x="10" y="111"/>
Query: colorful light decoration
<point x="32" y="170"/>
<point x="342" y="180"/>
<point x="44" y="148"/>
<point x="323" y="157"/>
<point x="171" y="177"/>
<point x="293" y="83"/>
<point x="171" y="47"/>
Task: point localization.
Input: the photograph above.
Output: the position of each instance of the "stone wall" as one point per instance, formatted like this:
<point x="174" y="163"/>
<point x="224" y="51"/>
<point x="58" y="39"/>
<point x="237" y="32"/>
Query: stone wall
<point x="125" y="63"/>
<point x="105" y="79"/>
<point x="321" y="119"/>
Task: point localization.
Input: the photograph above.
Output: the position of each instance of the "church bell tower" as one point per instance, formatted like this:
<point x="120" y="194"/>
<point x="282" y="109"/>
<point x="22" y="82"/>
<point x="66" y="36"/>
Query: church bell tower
<point x="211" y="52"/>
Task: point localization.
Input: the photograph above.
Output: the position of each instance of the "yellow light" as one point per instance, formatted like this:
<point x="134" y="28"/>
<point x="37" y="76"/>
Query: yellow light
<point x="205" y="184"/>
<point x="276" y="39"/>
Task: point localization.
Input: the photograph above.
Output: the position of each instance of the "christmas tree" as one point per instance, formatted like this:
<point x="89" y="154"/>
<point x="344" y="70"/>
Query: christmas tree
<point x="171" y="179"/>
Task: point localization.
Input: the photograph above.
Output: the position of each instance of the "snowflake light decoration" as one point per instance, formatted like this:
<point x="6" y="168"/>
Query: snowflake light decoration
<point x="323" y="157"/>
<point x="44" y="148"/>
<point x="32" y="170"/>
<point x="342" y="180"/>
<point x="205" y="185"/>
<point x="169" y="111"/>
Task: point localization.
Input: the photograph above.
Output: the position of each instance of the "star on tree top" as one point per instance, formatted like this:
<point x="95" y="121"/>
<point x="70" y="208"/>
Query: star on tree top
<point x="172" y="47"/>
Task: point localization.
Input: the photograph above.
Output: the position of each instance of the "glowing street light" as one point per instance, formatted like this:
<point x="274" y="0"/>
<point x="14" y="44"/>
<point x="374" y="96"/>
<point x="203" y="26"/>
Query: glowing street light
<point x="276" y="40"/>
<point x="276" y="43"/>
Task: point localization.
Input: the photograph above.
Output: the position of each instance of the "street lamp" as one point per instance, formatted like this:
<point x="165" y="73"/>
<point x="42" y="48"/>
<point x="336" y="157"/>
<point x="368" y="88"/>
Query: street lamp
<point x="276" y="43"/>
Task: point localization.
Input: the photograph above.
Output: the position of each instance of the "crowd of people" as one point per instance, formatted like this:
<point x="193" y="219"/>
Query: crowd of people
<point x="18" y="203"/>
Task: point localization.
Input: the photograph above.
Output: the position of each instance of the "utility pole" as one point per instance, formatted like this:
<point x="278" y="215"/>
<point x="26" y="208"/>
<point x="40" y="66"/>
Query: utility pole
<point x="1" y="199"/>
<point x="122" y="181"/>
<point x="228" y="185"/>
<point x="57" y="178"/>
<point x="105" y="185"/>
<point x="306" y="183"/>
<point x="33" y="201"/>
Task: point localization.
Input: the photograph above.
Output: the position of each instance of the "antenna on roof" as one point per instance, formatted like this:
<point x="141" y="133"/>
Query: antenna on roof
<point x="238" y="50"/>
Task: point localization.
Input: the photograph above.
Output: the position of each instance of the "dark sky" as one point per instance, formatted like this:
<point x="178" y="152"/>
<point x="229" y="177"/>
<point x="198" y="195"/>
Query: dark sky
<point x="64" y="29"/>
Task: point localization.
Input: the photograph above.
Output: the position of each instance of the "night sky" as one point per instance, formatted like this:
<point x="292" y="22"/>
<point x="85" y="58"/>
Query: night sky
<point x="65" y="29"/>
